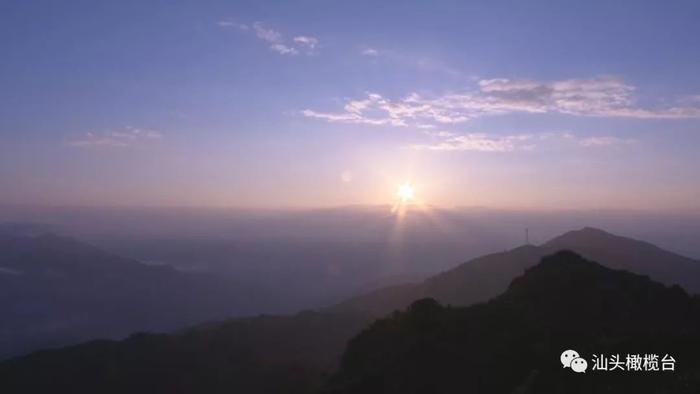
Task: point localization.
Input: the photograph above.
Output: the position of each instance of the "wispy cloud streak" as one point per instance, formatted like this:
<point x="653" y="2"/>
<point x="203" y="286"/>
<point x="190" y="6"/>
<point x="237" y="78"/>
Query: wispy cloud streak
<point x="447" y="141"/>
<point x="275" y="40"/>
<point x="604" y="141"/>
<point x="129" y="136"/>
<point x="597" y="97"/>
<point x="478" y="142"/>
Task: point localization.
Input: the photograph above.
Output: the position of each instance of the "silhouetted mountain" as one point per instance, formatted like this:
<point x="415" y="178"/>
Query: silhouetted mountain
<point x="485" y="277"/>
<point x="512" y="343"/>
<point x="637" y="256"/>
<point x="55" y="291"/>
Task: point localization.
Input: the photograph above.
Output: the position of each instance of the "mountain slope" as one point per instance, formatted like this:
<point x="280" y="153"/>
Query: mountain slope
<point x="637" y="256"/>
<point x="513" y="342"/>
<point x="485" y="277"/>
<point x="265" y="354"/>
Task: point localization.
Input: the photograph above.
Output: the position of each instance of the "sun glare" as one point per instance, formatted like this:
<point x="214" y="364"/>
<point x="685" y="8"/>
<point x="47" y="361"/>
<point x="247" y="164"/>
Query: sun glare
<point x="406" y="193"/>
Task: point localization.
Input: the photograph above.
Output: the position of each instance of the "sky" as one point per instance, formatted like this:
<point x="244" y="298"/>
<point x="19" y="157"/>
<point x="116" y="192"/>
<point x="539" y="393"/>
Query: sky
<point x="318" y="103"/>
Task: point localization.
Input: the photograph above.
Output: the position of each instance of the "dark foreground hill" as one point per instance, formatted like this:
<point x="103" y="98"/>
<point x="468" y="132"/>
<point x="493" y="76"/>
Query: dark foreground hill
<point x="485" y="277"/>
<point x="266" y="354"/>
<point x="512" y="343"/>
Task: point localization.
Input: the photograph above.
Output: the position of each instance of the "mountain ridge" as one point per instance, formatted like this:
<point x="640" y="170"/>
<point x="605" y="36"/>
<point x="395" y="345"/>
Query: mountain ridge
<point x="484" y="277"/>
<point x="512" y="342"/>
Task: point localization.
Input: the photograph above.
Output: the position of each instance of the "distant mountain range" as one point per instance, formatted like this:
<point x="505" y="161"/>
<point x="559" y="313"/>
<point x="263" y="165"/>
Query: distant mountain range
<point x="299" y="352"/>
<point x="485" y="277"/>
<point x="56" y="290"/>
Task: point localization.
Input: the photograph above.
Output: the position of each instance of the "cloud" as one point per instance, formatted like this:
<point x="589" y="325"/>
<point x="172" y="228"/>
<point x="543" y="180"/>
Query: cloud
<point x="374" y="110"/>
<point x="306" y="41"/>
<point x="369" y="52"/>
<point x="129" y="136"/>
<point x="276" y="40"/>
<point x="478" y="142"/>
<point x="483" y="142"/>
<point x="596" y="97"/>
<point x="283" y="49"/>
<point x="265" y="34"/>
<point x="604" y="141"/>
<point x="378" y="110"/>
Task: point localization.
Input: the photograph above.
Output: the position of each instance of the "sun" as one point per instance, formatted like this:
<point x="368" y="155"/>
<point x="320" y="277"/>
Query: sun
<point x="406" y="193"/>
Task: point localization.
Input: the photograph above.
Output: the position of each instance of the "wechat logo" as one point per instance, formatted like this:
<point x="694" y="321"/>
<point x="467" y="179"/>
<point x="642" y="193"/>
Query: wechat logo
<point x="571" y="359"/>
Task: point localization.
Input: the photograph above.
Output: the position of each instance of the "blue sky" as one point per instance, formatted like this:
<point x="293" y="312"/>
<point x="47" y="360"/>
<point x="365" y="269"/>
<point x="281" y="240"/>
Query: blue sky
<point x="537" y="104"/>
